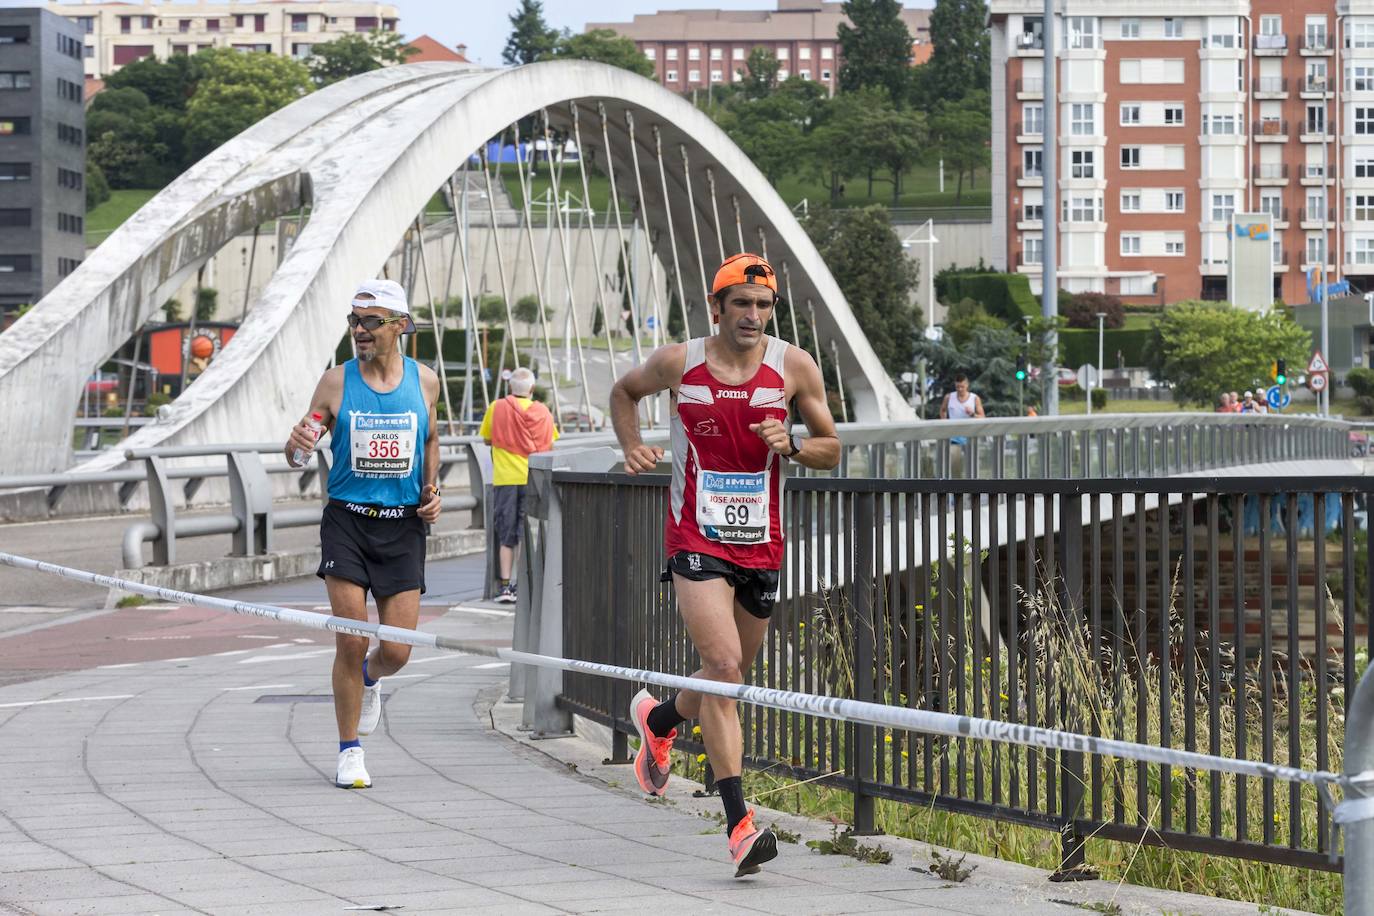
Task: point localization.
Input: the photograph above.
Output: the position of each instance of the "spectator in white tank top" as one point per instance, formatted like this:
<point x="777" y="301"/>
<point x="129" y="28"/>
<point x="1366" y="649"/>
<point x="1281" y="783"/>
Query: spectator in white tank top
<point x="960" y="404"/>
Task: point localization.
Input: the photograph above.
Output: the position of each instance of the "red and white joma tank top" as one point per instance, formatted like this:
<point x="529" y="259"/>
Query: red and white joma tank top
<point x="726" y="498"/>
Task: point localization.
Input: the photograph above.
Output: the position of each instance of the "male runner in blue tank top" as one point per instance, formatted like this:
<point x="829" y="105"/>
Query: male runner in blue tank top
<point x="383" y="489"/>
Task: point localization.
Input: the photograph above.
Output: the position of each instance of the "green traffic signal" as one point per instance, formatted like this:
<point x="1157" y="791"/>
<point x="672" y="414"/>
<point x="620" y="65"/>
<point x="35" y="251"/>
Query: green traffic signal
<point x="1020" y="368"/>
<point x="1281" y="371"/>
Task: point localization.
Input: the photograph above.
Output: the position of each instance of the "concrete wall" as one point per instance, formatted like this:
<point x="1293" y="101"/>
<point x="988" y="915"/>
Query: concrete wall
<point x="961" y="244"/>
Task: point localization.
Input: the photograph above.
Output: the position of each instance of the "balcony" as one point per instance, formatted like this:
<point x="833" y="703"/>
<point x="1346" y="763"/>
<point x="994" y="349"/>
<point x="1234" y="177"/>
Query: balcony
<point x="1270" y="130"/>
<point x="1214" y="266"/>
<point x="1030" y="88"/>
<point x="1313" y="175"/>
<point x="1034" y="178"/>
<point x="1318" y="133"/>
<point x="1030" y="133"/>
<point x="1317" y="87"/>
<point x="1318" y="45"/>
<point x="1270" y="173"/>
<point x="1278" y="216"/>
<point x="1028" y="262"/>
<point x="1271" y="87"/>
<point x="1312" y="217"/>
<point x="1271" y="45"/>
<point x="1031" y="43"/>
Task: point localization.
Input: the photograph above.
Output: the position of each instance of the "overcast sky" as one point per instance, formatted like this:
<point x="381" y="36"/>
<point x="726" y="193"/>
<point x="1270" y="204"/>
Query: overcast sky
<point x="483" y="25"/>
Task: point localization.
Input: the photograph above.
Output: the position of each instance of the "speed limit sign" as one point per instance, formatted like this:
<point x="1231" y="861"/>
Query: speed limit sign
<point x="1317" y="381"/>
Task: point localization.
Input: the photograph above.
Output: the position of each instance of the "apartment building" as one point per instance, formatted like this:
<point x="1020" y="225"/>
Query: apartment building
<point x="42" y="154"/>
<point x="699" y="48"/>
<point x="1172" y="118"/>
<point x="116" y="34"/>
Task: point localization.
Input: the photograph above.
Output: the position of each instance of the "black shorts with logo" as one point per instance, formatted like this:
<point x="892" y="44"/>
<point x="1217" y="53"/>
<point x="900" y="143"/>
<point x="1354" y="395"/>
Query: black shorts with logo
<point x="755" y="589"/>
<point x="383" y="555"/>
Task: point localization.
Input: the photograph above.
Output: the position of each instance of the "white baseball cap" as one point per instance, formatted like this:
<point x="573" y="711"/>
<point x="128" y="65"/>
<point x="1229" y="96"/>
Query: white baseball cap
<point x="386" y="294"/>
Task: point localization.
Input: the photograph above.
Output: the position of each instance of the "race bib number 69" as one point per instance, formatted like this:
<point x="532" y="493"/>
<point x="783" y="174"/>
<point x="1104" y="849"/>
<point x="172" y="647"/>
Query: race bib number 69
<point x="732" y="507"/>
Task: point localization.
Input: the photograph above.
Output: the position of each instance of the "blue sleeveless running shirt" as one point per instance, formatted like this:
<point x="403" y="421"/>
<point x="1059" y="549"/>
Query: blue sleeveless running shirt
<point x="379" y="440"/>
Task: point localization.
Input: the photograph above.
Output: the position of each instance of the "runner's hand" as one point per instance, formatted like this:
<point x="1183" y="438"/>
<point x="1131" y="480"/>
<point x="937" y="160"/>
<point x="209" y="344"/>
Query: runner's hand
<point x="430" y="505"/>
<point x="774" y="435"/>
<point x="302" y="437"/>
<point x="642" y="459"/>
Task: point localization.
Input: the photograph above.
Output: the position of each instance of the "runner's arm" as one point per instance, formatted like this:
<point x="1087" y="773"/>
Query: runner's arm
<point x="328" y="392"/>
<point x="821" y="451"/>
<point x="430" y="503"/>
<point x="978" y="407"/>
<point x="944" y="407"/>
<point x="660" y="372"/>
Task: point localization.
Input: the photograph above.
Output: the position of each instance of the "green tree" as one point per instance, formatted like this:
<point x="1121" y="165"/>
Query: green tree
<point x="491" y="309"/>
<point x="988" y="358"/>
<point x="207" y="301"/>
<point x="352" y="54"/>
<point x="865" y="257"/>
<point x="960" y="132"/>
<point x="890" y="138"/>
<point x="605" y="46"/>
<point x="876" y="49"/>
<point x="526" y="311"/>
<point x="830" y="153"/>
<point x="237" y="90"/>
<point x="1202" y="348"/>
<point x="530" y="39"/>
<point x="97" y="188"/>
<point x="769" y="130"/>
<point x="171" y="311"/>
<point x="165" y="83"/>
<point x="967" y="316"/>
<point x="760" y="74"/>
<point x="961" y="60"/>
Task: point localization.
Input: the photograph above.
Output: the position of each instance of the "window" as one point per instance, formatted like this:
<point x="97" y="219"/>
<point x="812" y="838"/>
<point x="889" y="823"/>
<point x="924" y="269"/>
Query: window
<point x="1130" y="201"/>
<point x="1130" y="244"/>
<point x="1032" y="119"/>
<point x="715" y="76"/>
<point x="1173" y="244"/>
<point x="69" y="90"/>
<point x="68" y="222"/>
<point x="694" y="53"/>
<point x="651" y="53"/>
<point x="184" y="25"/>
<point x="1362" y="251"/>
<point x="68" y="134"/>
<point x="1173" y="201"/>
<point x="300" y="22"/>
<point x="1130" y="157"/>
<point x="1223" y="207"/>
<point x="717" y="53"/>
<point x="66" y="178"/>
<point x="1130" y="114"/>
<point x="825" y="75"/>
<point x="1130" y="28"/>
<point x="1083" y="209"/>
<point x="672" y="54"/>
<point x="67" y="265"/>
<point x="1362" y="206"/>
<point x="693" y="76"/>
<point x="1033" y="213"/>
<point x="16" y="264"/>
<point x="212" y="25"/>
<point x="90" y="52"/>
<point x="20" y="79"/>
<point x="364" y="23"/>
<point x="804" y="53"/>
<point x="1359" y="79"/>
<point x="68" y="46"/>
<point x="16" y="218"/>
<point x="804" y="74"/>
<point x="1361" y="34"/>
<point x="783" y="74"/>
<point x="1316" y="119"/>
<point x="1082" y="32"/>
<point x="300" y="50"/>
<point x="1173" y="115"/>
<point x="1316" y="249"/>
<point x="1032" y="161"/>
<point x="125" y="24"/>
<point x="87" y="24"/>
<point x="1276" y="249"/>
<point x="1315" y="34"/>
<point x="1364" y="167"/>
<point x="1173" y="28"/>
<point x="15" y="171"/>
<point x="1364" y="120"/>
<point x="1271" y="25"/>
<point x="1081" y="163"/>
<point x="1082" y="122"/>
<point x="1221" y="124"/>
<point x="1033" y="251"/>
<point x="17" y="127"/>
<point x="782" y="53"/>
<point x="146" y="21"/>
<point x="670" y="76"/>
<point x="238" y="21"/>
<point x="14" y="34"/>
<point x="737" y="54"/>
<point x="827" y="53"/>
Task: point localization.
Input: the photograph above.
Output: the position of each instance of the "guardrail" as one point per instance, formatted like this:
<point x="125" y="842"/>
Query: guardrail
<point x="1219" y="615"/>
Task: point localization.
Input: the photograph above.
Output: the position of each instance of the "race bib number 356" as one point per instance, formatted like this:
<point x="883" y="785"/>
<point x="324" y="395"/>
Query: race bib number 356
<point x="732" y="508"/>
<point x="383" y="445"/>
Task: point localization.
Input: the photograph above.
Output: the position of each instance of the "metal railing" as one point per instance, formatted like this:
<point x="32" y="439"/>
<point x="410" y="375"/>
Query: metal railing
<point x="1271" y="84"/>
<point x="1270" y="170"/>
<point x="1220" y="615"/>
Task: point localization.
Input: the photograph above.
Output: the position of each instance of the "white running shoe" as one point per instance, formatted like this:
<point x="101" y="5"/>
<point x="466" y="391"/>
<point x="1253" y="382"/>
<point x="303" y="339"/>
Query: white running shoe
<point x="351" y="773"/>
<point x="371" y="712"/>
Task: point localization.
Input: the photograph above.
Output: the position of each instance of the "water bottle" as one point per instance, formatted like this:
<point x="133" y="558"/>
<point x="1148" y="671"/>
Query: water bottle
<point x="300" y="455"/>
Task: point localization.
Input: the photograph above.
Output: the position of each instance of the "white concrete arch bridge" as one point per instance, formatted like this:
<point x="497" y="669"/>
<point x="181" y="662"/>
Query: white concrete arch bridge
<point x="364" y="156"/>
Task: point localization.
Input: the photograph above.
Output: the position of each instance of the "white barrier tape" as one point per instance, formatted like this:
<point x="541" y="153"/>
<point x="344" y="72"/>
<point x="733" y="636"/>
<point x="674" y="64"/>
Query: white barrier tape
<point x="875" y="714"/>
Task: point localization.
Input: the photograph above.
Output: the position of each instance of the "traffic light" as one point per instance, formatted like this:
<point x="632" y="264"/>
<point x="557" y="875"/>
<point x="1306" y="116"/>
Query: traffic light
<point x="1281" y="371"/>
<point x="1021" y="368"/>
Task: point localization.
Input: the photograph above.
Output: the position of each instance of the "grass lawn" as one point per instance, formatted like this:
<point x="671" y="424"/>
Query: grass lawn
<point x="1075" y="408"/>
<point x="107" y="217"/>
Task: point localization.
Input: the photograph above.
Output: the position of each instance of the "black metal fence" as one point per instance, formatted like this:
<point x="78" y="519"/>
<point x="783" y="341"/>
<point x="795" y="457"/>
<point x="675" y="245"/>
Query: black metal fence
<point x="1223" y="616"/>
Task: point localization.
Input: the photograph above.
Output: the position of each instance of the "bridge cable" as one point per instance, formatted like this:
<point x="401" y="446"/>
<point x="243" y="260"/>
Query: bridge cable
<point x="696" y="230"/>
<point x="500" y="257"/>
<point x="470" y="316"/>
<point x="715" y="212"/>
<point x="672" y="231"/>
<point x="739" y="225"/>
<point x="591" y="237"/>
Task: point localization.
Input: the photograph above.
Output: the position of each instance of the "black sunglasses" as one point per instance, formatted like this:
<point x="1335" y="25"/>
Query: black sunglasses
<point x="371" y="322"/>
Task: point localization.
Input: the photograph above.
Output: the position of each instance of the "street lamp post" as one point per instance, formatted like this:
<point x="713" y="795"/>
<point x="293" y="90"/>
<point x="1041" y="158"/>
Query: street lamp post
<point x="928" y="268"/>
<point x="1101" y="320"/>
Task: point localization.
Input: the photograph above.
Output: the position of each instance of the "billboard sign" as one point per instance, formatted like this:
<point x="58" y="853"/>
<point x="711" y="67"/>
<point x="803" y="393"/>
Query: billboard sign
<point x="1252" y="261"/>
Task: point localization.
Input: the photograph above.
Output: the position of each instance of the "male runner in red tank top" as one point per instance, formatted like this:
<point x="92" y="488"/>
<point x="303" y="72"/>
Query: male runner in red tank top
<point x="730" y="394"/>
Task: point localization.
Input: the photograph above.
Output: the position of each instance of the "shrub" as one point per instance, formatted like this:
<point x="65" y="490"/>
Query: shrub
<point x="1005" y="296"/>
<point x="1099" y="399"/>
<point x="1361" y="380"/>
<point x="1082" y="310"/>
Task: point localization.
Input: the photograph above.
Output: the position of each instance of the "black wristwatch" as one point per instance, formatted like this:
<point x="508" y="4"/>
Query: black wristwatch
<point x="796" y="446"/>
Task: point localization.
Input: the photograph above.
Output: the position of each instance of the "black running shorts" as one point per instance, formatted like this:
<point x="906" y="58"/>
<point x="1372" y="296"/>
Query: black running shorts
<point x="383" y="555"/>
<point x="756" y="590"/>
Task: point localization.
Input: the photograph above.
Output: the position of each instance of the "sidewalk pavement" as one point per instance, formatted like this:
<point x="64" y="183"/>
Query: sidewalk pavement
<point x="203" y="784"/>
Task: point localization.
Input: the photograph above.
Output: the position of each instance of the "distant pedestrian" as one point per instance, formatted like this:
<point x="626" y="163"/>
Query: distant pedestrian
<point x="1235" y="402"/>
<point x="961" y="404"/>
<point x="1250" y="405"/>
<point x="1225" y="406"/>
<point x="515" y="427"/>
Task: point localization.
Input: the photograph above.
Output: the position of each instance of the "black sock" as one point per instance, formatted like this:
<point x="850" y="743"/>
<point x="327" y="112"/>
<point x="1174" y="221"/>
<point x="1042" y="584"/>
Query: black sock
<point x="731" y="790"/>
<point x="664" y="717"/>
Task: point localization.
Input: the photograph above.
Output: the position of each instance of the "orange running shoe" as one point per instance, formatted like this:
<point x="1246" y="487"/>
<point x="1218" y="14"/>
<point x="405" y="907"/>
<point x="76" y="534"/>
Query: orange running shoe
<point x="653" y="760"/>
<point x="750" y="847"/>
